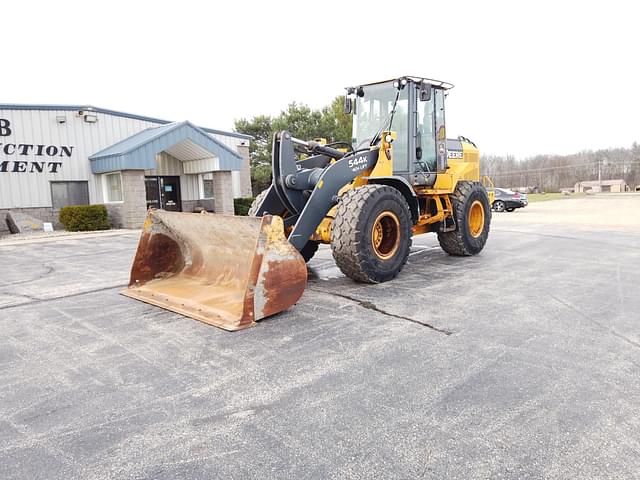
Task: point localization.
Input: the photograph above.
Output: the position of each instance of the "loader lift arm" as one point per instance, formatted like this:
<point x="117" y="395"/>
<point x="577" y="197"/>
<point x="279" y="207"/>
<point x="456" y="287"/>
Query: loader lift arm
<point x="306" y="190"/>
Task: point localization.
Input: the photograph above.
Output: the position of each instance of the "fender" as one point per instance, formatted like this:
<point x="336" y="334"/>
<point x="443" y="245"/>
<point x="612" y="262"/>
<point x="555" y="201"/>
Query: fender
<point x="403" y="185"/>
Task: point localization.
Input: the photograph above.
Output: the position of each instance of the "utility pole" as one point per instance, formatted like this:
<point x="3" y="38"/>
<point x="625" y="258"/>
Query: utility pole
<point x="540" y="189"/>
<point x="600" y="174"/>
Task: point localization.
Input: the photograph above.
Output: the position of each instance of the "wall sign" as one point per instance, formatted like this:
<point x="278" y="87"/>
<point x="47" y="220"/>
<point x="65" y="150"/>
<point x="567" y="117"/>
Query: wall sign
<point x="16" y="150"/>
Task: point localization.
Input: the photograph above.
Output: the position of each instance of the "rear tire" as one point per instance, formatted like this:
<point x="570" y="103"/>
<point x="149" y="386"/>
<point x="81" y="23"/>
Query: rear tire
<point x="308" y="251"/>
<point x="472" y="214"/>
<point x="499" y="206"/>
<point x="371" y="233"/>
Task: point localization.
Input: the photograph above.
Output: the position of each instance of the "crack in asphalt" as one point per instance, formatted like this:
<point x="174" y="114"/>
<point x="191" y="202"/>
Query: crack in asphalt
<point x="44" y="300"/>
<point x="93" y="254"/>
<point x="595" y="322"/>
<point x="48" y="269"/>
<point x="371" y="306"/>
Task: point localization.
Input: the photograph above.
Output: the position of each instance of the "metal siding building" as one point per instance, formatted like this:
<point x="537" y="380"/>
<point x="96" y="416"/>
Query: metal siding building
<point x="42" y="145"/>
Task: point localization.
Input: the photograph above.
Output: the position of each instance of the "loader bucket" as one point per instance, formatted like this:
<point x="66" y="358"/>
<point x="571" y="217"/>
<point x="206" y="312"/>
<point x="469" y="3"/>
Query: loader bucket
<point x="223" y="270"/>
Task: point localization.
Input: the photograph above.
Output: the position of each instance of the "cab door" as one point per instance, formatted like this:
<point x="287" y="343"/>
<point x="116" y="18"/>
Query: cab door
<point x="431" y="135"/>
<point x="426" y="151"/>
<point x="441" y="132"/>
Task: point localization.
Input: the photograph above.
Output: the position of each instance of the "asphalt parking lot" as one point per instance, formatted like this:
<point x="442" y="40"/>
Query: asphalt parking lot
<point x="521" y="362"/>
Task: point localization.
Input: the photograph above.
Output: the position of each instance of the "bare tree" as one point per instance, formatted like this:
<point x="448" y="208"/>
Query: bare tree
<point x="554" y="172"/>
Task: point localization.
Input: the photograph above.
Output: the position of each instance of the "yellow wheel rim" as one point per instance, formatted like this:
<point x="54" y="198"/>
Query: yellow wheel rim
<point x="385" y="235"/>
<point x="476" y="219"/>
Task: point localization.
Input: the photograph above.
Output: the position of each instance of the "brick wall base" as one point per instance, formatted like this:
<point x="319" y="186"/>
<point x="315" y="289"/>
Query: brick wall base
<point x="133" y="209"/>
<point x="223" y="191"/>
<point x="245" y="172"/>
<point x="131" y="212"/>
<point x="115" y="214"/>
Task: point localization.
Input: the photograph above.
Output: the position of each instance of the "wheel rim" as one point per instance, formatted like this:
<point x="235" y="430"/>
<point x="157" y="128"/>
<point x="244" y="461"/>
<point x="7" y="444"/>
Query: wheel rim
<point x="385" y="235"/>
<point x="476" y="219"/>
<point x="499" y="206"/>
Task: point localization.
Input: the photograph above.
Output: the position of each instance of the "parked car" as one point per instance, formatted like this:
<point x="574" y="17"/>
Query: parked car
<point x="509" y="200"/>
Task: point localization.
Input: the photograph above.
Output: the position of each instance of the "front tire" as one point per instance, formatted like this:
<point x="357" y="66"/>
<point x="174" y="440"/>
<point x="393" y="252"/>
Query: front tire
<point x="499" y="206"/>
<point x="371" y="233"/>
<point x="472" y="214"/>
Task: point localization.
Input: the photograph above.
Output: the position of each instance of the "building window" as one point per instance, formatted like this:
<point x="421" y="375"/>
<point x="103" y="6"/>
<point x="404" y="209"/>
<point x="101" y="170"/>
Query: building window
<point x="69" y="193"/>
<point x="112" y="183"/>
<point x="206" y="185"/>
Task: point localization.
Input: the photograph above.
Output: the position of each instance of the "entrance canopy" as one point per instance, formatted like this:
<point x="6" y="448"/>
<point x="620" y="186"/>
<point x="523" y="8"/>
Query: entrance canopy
<point x="198" y="151"/>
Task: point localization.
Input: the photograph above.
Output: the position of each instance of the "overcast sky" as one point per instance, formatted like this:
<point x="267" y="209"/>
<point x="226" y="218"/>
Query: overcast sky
<point x="531" y="77"/>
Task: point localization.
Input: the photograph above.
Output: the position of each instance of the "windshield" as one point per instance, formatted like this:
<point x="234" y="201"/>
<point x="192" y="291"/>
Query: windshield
<point x="373" y="112"/>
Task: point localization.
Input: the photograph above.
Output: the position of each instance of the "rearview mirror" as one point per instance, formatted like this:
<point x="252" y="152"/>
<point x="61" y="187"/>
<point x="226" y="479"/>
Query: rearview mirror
<point x="425" y="92"/>
<point x="348" y="105"/>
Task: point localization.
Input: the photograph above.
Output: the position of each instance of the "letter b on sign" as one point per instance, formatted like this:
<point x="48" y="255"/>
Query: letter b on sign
<point x="5" y="131"/>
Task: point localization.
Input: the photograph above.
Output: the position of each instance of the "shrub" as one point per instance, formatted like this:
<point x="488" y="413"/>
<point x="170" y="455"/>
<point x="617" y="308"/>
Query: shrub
<point x="241" y="206"/>
<point x="82" y="218"/>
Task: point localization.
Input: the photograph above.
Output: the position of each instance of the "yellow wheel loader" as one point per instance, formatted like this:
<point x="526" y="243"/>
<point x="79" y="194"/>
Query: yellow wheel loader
<point x="399" y="176"/>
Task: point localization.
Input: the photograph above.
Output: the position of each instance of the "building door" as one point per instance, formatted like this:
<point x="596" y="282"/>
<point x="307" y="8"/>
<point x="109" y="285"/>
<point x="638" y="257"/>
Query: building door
<point x="170" y="193"/>
<point x="153" y="192"/>
<point x="163" y="193"/>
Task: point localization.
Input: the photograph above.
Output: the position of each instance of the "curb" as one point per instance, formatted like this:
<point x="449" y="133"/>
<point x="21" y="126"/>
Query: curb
<point x="10" y="240"/>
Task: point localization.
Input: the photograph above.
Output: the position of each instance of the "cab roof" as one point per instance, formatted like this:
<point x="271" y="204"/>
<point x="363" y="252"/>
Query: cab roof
<point x="431" y="81"/>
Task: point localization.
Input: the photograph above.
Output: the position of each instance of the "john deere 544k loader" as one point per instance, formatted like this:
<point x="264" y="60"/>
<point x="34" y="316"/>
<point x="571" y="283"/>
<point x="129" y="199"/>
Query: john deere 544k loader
<point x="399" y="176"/>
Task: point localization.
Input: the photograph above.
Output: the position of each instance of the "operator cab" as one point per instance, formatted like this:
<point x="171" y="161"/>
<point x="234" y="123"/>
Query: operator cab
<point x="413" y="107"/>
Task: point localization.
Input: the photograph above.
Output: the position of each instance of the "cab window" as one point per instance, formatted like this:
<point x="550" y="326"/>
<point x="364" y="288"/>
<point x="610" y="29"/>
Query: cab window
<point x="427" y="130"/>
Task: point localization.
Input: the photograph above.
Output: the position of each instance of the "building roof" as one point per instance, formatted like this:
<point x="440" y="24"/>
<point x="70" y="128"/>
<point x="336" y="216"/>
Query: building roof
<point x="183" y="140"/>
<point x="15" y="106"/>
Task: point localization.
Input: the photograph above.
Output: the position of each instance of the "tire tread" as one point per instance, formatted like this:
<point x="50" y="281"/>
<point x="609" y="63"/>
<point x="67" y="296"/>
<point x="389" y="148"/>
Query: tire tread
<point x="346" y="235"/>
<point x="453" y="242"/>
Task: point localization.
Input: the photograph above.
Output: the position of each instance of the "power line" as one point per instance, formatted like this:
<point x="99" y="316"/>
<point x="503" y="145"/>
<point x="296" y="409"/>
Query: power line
<point x="543" y="169"/>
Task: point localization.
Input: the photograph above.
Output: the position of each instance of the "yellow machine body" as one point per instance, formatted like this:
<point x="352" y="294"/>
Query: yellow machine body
<point x="465" y="168"/>
<point x="231" y="271"/>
